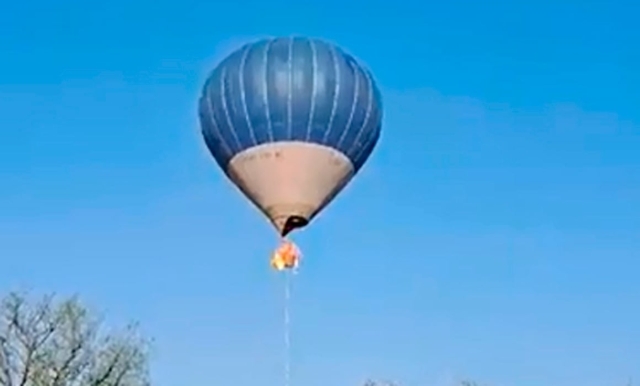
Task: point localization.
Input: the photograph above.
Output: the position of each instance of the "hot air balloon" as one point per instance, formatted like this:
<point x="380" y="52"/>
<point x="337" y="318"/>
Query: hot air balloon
<point x="290" y="121"/>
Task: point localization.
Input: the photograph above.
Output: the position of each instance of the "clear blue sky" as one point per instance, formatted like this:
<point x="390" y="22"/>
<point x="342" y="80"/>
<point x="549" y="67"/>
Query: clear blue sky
<point x="495" y="232"/>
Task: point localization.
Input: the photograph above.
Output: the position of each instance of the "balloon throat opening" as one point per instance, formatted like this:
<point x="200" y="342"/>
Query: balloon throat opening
<point x="292" y="223"/>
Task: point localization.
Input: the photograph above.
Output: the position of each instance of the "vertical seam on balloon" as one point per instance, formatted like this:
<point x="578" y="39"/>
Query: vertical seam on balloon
<point x="314" y="66"/>
<point x="334" y="107"/>
<point x="290" y="89"/>
<point x="223" y="98"/>
<point x="369" y="145"/>
<point x="243" y="97"/>
<point x="356" y="91"/>
<point x="368" y="114"/>
<point x="266" y="90"/>
<point x="214" y="123"/>
<point x="371" y="136"/>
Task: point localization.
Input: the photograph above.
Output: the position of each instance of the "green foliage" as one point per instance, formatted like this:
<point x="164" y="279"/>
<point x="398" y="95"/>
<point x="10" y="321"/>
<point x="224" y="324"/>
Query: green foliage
<point x="59" y="343"/>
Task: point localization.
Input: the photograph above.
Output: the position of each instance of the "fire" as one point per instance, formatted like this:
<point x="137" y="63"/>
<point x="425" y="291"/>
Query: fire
<point x="287" y="256"/>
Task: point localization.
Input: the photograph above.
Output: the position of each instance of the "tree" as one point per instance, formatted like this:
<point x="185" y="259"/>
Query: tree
<point x="59" y="343"/>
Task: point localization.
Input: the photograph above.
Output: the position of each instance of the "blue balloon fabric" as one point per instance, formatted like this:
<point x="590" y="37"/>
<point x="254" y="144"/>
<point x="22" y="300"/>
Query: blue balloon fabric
<point x="290" y="89"/>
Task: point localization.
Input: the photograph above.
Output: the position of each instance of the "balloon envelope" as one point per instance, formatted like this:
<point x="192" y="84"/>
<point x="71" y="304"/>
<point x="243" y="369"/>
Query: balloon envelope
<point x="290" y="121"/>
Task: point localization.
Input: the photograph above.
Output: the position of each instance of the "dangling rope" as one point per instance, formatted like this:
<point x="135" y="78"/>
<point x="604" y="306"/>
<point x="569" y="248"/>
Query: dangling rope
<point x="286" y="259"/>
<point x="287" y="329"/>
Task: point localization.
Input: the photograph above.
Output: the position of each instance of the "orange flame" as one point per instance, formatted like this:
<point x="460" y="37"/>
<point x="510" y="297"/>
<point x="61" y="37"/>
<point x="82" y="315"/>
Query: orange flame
<point x="287" y="256"/>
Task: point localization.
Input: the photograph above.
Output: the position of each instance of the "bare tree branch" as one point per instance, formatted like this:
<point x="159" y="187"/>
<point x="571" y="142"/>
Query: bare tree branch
<point x="5" y="363"/>
<point x="53" y="343"/>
